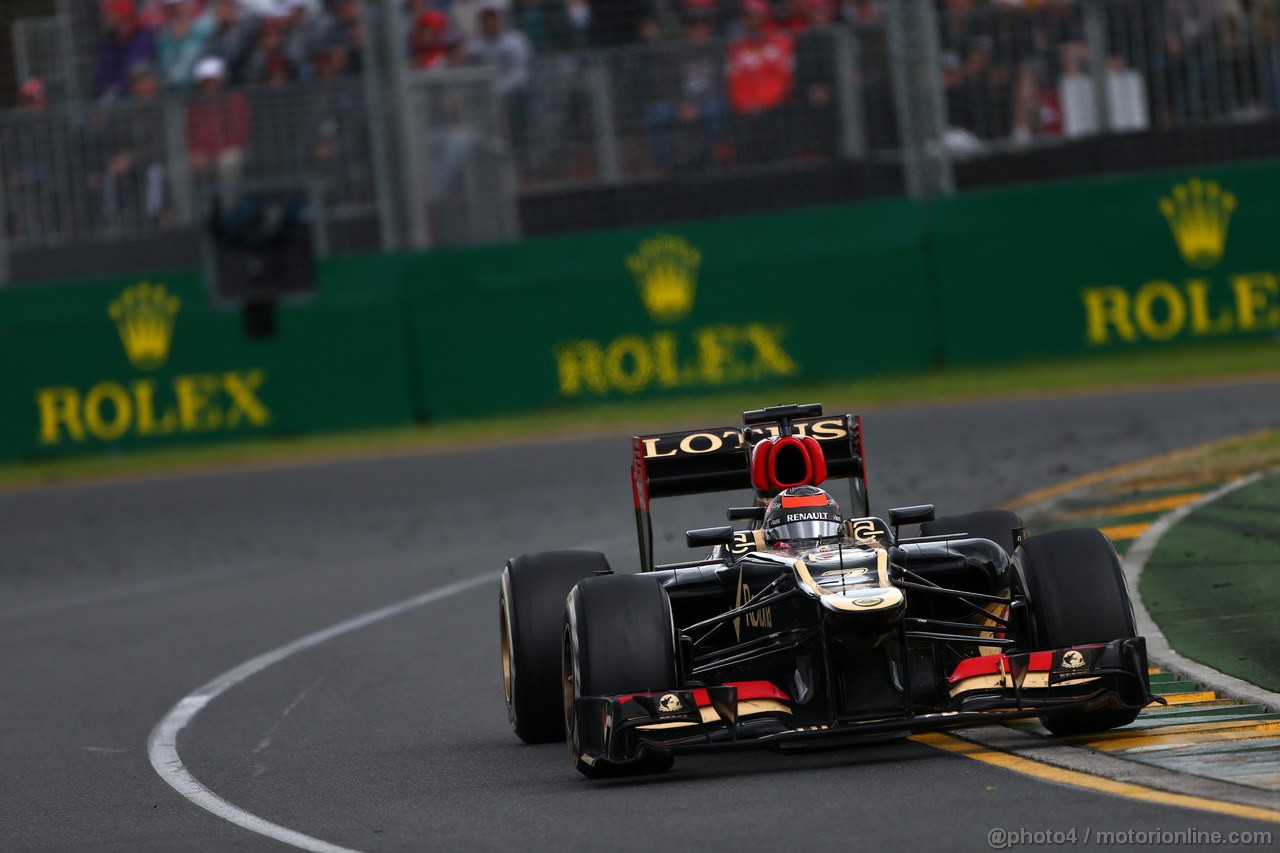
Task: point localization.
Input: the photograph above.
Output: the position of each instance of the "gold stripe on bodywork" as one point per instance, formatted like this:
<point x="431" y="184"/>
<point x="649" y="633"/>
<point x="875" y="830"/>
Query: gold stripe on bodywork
<point x="738" y="599"/>
<point x="1033" y="681"/>
<point x="892" y="595"/>
<point x="999" y="611"/>
<point x="746" y="708"/>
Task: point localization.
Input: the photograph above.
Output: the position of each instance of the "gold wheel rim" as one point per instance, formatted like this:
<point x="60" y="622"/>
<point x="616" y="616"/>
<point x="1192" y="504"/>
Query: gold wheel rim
<point x="567" y="686"/>
<point x="505" y="632"/>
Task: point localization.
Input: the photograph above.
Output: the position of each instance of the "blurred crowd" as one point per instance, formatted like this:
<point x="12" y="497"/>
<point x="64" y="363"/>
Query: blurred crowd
<point x="746" y="69"/>
<point x="257" y="43"/>
<point x="1020" y="69"/>
<point x="271" y="41"/>
<point x="692" y="83"/>
<point x="201" y="71"/>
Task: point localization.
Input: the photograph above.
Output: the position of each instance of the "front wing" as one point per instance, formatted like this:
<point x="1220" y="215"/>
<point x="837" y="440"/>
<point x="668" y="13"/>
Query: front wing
<point x="757" y="714"/>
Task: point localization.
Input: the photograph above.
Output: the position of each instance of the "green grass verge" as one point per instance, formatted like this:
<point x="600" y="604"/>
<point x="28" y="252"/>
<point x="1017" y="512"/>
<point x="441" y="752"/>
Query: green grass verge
<point x="1211" y="584"/>
<point x="1153" y="367"/>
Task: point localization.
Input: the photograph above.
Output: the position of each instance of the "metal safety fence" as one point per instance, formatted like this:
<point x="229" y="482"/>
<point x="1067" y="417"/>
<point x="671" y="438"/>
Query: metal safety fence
<point x="1062" y="70"/>
<point x="682" y="107"/>
<point x="103" y="176"/>
<point x="431" y="130"/>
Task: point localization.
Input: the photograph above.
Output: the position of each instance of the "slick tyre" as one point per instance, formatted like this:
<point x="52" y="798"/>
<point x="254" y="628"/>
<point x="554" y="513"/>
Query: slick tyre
<point x="997" y="525"/>
<point x="531" y="621"/>
<point x="1076" y="594"/>
<point x="619" y="637"/>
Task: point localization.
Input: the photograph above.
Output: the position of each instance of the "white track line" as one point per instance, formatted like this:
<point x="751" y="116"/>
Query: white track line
<point x="162" y="746"/>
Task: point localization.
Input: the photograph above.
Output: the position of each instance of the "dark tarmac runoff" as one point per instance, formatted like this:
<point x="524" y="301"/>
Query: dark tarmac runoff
<point x="117" y="600"/>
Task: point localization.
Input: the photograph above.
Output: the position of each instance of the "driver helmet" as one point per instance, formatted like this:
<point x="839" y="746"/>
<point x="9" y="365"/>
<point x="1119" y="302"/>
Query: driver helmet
<point x="801" y="512"/>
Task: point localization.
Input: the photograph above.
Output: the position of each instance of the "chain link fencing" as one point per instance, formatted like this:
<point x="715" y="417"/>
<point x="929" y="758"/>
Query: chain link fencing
<point x="421" y="125"/>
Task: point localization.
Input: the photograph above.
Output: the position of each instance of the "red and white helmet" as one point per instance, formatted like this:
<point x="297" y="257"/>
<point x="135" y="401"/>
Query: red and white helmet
<point x="801" y="512"/>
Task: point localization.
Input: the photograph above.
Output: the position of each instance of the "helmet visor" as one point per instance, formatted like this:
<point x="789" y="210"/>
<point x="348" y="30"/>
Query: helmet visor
<point x="803" y="530"/>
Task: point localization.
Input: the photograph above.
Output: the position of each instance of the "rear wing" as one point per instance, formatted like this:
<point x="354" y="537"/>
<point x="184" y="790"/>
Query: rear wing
<point x="719" y="460"/>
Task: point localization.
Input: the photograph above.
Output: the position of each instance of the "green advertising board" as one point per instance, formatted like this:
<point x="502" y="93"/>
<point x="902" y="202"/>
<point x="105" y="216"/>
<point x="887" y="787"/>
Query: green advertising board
<point x="1109" y="265"/>
<point x="761" y="302"/>
<point x="141" y="362"/>
<point x="806" y="295"/>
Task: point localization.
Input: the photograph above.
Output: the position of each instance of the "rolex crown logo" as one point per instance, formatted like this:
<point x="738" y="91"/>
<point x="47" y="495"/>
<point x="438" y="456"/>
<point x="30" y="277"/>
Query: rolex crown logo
<point x="144" y="316"/>
<point x="666" y="272"/>
<point x="1199" y="213"/>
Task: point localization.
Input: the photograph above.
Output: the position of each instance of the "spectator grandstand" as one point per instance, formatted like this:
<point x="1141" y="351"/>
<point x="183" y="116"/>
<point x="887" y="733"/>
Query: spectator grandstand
<point x="547" y="115"/>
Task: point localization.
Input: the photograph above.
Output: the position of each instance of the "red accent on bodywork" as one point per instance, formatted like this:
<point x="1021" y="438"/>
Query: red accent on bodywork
<point x="639" y="476"/>
<point x="1040" y="662"/>
<point x="746" y="690"/>
<point x="764" y="463"/>
<point x="862" y="456"/>
<point x="778" y="445"/>
<point x="817" y="460"/>
<point x="992" y="664"/>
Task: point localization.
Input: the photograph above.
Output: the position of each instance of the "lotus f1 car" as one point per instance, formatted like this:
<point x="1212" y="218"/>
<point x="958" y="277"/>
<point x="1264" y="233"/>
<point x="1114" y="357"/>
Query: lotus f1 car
<point x="856" y="631"/>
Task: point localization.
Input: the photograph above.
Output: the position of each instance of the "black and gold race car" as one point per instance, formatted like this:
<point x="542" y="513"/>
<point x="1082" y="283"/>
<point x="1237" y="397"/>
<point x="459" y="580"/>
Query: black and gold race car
<point x="801" y="625"/>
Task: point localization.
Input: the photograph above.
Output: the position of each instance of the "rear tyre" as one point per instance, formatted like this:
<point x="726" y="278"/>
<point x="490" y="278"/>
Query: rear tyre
<point x="1076" y="594"/>
<point x="619" y="637"/>
<point x="994" y="524"/>
<point x="531" y="619"/>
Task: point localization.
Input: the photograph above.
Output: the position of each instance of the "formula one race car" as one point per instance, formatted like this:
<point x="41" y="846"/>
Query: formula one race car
<point x="807" y="626"/>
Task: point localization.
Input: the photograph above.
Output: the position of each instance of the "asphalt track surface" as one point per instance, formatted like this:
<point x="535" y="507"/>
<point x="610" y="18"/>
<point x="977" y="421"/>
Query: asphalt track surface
<point x="117" y="600"/>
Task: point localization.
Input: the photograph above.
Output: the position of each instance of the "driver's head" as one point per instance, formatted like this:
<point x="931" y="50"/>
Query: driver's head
<point x="802" y="512"/>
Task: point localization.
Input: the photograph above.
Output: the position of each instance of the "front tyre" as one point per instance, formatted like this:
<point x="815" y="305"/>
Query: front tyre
<point x="1076" y="594"/>
<point x="530" y="620"/>
<point x="619" y="637"/>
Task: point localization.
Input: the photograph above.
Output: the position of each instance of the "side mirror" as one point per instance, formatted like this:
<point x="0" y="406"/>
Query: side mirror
<point x="746" y="513"/>
<point x="709" y="536"/>
<point x="910" y="515"/>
